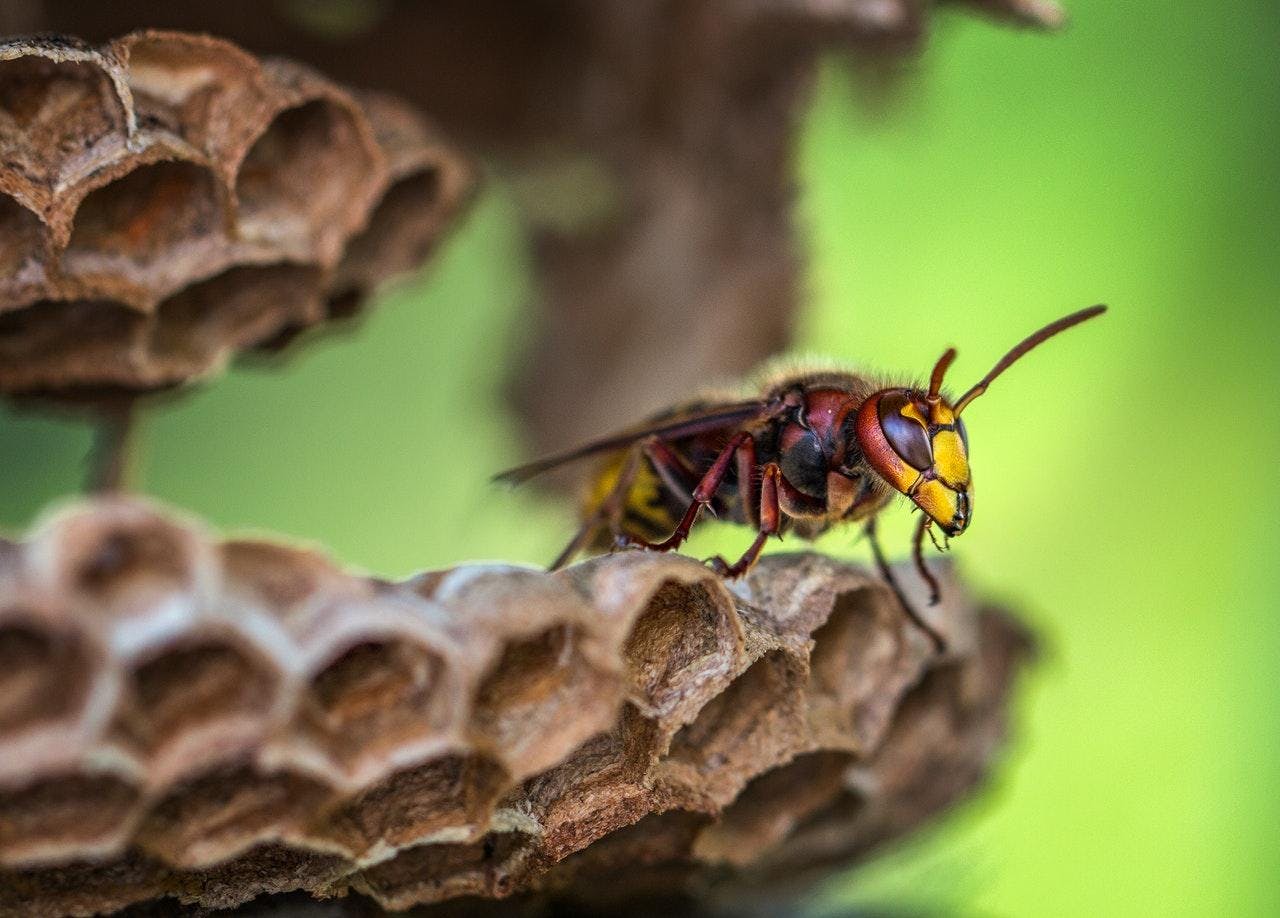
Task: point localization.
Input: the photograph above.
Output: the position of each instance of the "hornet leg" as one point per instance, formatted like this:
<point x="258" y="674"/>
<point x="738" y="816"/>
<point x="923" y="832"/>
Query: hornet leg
<point x="770" y="521"/>
<point x="748" y="483"/>
<point x="883" y="566"/>
<point x="917" y="555"/>
<point x="674" y="473"/>
<point x="702" y="496"/>
<point x="609" y="510"/>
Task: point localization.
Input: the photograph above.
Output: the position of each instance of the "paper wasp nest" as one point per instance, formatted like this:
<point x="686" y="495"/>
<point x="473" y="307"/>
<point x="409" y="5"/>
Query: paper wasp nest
<point x="167" y="201"/>
<point x="213" y="721"/>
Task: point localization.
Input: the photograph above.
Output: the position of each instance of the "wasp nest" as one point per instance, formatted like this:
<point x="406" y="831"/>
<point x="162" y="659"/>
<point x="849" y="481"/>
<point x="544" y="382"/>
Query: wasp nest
<point x="167" y="201"/>
<point x="214" y="721"/>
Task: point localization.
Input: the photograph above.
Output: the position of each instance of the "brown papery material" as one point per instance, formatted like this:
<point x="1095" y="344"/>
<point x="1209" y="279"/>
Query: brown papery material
<point x="168" y="201"/>
<point x="211" y="721"/>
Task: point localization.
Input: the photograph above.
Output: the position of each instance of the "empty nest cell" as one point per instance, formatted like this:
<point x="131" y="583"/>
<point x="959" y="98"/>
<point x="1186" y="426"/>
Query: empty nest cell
<point x="148" y="232"/>
<point x="859" y="666"/>
<point x="683" y="630"/>
<point x="398" y="237"/>
<point x="303" y="180"/>
<point x="282" y="578"/>
<point x="55" y="116"/>
<point x="208" y="695"/>
<point x="199" y="328"/>
<point x="124" y="560"/>
<point x="450" y="796"/>
<point x="65" y="816"/>
<point x="540" y="699"/>
<point x="267" y="868"/>
<point x="227" y="810"/>
<point x="641" y="869"/>
<point x="372" y="698"/>
<point x="771" y="806"/>
<point x="601" y="786"/>
<point x="44" y="676"/>
<point x="180" y="71"/>
<point x="51" y="346"/>
<point x="200" y="88"/>
<point x="432" y="873"/>
<point x="755" y="723"/>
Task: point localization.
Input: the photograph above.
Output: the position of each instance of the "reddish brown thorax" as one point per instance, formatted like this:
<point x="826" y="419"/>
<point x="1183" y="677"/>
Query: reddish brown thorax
<point x="813" y="453"/>
<point x="823" y="416"/>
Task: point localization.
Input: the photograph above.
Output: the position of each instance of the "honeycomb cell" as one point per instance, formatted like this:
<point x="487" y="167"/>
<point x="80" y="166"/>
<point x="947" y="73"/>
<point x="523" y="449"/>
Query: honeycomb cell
<point x="148" y="232"/>
<point x="372" y="698"/>
<point x="200" y="88"/>
<point x="126" y="560"/>
<point x="195" y="700"/>
<point x="52" y="347"/>
<point x="929" y="716"/>
<point x="44" y="676"/>
<point x="682" y="631"/>
<point x="399" y="236"/>
<point x="180" y="71"/>
<point x="640" y="869"/>
<point x="771" y="806"/>
<point x="428" y="183"/>
<point x="432" y="873"/>
<point x="753" y="724"/>
<point x="450" y="796"/>
<point x="265" y="869"/>
<point x="59" y="119"/>
<point x="284" y="578"/>
<point x="227" y="810"/>
<point x="298" y="181"/>
<point x="541" y="699"/>
<point x="64" y="817"/>
<point x="598" y="788"/>
<point x="198" y="329"/>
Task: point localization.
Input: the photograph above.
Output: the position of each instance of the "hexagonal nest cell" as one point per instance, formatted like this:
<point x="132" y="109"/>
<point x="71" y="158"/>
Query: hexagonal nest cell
<point x="183" y="694"/>
<point x="168" y="201"/>
<point x="243" y="718"/>
<point x="372" y="698"/>
<point x="44" y="674"/>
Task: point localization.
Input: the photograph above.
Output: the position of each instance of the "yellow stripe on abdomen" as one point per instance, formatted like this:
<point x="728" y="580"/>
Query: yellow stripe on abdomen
<point x="644" y="512"/>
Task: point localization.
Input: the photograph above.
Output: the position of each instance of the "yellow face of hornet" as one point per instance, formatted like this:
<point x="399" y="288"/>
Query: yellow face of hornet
<point x="916" y="441"/>
<point x="918" y="445"/>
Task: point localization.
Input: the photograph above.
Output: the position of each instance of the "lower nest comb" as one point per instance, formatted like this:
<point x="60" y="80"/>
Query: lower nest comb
<point x="217" y="720"/>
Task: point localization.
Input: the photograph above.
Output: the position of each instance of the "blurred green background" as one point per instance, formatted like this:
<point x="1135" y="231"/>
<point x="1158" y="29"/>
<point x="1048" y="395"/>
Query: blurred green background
<point x="1124" y="501"/>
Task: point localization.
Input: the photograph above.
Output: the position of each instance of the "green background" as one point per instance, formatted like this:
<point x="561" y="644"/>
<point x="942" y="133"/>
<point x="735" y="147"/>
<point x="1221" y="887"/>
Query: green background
<point x="1125" y="492"/>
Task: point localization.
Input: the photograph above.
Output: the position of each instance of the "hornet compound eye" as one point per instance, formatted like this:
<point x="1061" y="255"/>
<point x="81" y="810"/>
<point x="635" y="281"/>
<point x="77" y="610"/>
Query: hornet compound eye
<point x="907" y="436"/>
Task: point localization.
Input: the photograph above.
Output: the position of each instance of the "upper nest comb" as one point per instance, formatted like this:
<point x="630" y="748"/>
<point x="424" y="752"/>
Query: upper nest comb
<point x="212" y="721"/>
<point x="168" y="200"/>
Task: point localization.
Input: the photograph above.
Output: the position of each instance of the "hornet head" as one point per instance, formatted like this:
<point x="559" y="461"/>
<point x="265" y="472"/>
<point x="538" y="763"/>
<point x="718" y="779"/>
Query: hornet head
<point x="916" y="441"/>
